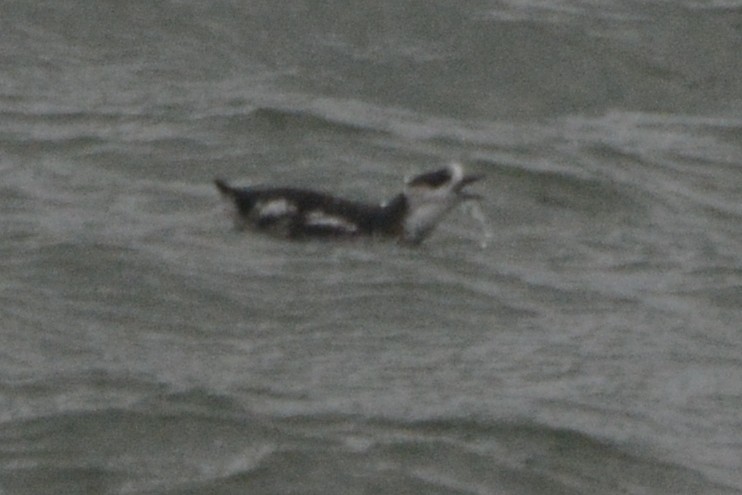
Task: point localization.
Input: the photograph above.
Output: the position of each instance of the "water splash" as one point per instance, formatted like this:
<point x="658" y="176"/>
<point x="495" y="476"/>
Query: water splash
<point x="474" y="210"/>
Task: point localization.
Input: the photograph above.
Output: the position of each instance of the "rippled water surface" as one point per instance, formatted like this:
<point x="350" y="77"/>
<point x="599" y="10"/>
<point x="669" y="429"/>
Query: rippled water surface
<point x="592" y="345"/>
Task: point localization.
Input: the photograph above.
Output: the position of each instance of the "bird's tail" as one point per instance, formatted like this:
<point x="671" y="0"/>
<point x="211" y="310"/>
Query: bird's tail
<point x="223" y="187"/>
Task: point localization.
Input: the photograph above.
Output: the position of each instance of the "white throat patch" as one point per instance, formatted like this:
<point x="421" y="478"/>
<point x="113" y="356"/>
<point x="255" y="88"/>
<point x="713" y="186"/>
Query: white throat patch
<point x="428" y="204"/>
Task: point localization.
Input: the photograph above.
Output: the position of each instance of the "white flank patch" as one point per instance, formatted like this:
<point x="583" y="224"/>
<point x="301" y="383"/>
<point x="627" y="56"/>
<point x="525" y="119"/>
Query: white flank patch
<point x="275" y="208"/>
<point x="319" y="218"/>
<point x="457" y="172"/>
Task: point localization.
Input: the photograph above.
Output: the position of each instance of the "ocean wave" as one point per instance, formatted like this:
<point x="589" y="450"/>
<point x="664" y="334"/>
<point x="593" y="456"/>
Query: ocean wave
<point x="589" y="348"/>
<point x="191" y="442"/>
<point x="289" y="120"/>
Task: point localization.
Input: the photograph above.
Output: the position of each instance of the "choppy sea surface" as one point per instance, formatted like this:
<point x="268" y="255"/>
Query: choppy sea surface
<point x="589" y="342"/>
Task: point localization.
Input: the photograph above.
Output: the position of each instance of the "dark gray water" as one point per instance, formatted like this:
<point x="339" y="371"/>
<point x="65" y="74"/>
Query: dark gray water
<point x="594" y="344"/>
